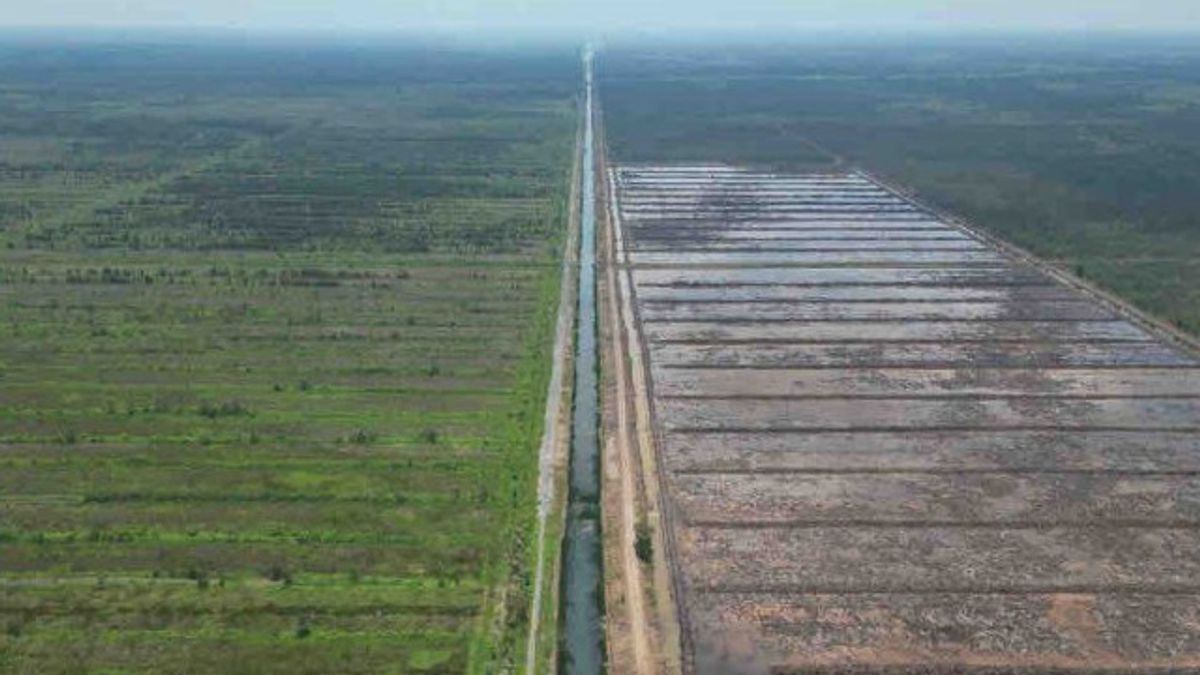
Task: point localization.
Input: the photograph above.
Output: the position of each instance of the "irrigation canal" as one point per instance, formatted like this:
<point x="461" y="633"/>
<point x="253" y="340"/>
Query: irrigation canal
<point x="582" y="650"/>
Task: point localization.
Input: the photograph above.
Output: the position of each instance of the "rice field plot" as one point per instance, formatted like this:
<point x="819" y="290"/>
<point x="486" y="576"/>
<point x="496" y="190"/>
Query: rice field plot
<point x="270" y="400"/>
<point x="889" y="447"/>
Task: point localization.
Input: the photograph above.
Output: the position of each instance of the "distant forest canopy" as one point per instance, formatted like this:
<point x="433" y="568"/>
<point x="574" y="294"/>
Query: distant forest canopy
<point x="1084" y="149"/>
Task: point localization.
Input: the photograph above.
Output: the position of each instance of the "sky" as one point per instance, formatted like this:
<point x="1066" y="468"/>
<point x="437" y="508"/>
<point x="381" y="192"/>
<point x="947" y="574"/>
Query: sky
<point x="601" y="15"/>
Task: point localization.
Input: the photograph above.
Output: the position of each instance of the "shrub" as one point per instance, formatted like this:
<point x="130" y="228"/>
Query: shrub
<point x="643" y="544"/>
<point x="279" y="574"/>
<point x="223" y="409"/>
<point x="362" y="437"/>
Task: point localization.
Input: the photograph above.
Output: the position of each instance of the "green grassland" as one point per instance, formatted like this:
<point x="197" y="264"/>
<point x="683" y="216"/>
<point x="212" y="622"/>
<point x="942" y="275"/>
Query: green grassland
<point x="274" y="347"/>
<point x="1085" y="150"/>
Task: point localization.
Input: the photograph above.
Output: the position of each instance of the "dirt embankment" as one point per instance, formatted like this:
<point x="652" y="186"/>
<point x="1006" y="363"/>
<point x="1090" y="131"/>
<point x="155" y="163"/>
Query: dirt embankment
<point x="643" y="636"/>
<point x="553" y="454"/>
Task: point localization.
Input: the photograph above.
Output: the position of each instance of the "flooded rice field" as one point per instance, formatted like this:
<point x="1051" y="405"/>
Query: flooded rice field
<point x="888" y="445"/>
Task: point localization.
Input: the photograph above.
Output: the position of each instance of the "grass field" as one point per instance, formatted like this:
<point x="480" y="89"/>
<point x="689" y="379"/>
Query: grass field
<point x="1084" y="150"/>
<point x="273" y="353"/>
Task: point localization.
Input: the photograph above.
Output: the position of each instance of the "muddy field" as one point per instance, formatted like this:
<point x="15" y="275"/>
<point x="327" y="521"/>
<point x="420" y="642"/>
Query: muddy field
<point x="888" y="445"/>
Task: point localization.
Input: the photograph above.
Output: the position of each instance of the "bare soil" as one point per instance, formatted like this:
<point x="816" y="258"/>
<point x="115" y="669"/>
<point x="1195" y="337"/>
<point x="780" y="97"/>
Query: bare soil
<point x="891" y="445"/>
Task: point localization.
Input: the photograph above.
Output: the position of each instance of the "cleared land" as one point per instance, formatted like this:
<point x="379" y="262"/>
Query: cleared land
<point x="274" y="352"/>
<point x="890" y="447"/>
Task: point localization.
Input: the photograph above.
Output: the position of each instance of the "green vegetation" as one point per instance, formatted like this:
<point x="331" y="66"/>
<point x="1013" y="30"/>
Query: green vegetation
<point x="643" y="544"/>
<point x="1084" y="150"/>
<point x="274" y="350"/>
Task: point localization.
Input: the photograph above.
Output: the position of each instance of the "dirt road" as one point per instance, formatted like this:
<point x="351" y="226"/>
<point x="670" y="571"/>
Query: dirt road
<point x="643" y="633"/>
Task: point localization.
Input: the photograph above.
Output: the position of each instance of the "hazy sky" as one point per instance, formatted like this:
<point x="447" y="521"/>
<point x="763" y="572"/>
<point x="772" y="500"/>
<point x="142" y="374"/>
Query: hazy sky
<point x="742" y="14"/>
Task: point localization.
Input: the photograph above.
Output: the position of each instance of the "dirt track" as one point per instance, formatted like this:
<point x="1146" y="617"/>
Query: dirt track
<point x="890" y="445"/>
<point x="642" y="632"/>
<point x="623" y="469"/>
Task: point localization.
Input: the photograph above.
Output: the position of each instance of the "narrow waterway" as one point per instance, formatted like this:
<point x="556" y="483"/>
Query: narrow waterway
<point x="582" y="650"/>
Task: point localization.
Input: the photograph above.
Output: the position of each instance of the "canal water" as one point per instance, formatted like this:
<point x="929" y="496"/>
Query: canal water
<point x="582" y="650"/>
